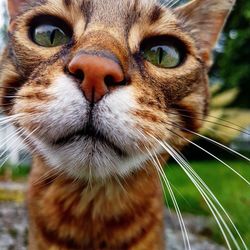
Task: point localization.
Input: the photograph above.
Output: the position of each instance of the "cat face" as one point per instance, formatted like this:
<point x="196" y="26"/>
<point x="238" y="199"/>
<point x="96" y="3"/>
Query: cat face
<point x="94" y="83"/>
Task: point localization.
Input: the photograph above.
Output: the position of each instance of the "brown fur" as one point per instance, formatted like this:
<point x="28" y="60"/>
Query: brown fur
<point x="115" y="215"/>
<point x="73" y="212"/>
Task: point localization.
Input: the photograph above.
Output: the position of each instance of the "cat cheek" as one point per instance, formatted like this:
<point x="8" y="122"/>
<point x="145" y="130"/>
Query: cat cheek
<point x="67" y="109"/>
<point x="50" y="108"/>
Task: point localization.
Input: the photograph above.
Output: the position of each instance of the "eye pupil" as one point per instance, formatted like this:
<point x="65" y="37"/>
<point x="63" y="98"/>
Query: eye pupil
<point x="160" y="49"/>
<point x="52" y="36"/>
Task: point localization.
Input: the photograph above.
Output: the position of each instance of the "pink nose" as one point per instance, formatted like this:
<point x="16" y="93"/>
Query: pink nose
<point x="97" y="75"/>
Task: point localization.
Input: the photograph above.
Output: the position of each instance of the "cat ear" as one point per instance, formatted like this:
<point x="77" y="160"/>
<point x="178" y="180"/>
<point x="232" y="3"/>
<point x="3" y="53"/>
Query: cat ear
<point x="205" y="19"/>
<point x="13" y="8"/>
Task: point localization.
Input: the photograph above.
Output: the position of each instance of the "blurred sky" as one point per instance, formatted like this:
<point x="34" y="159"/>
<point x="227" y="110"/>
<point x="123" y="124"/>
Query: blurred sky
<point x="2" y="2"/>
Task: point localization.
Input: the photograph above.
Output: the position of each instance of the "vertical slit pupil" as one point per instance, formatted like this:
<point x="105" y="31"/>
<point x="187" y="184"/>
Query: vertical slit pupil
<point x="52" y="36"/>
<point x="160" y="52"/>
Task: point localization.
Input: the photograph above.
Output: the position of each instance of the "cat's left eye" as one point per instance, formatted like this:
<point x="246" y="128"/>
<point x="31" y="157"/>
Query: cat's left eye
<point x="162" y="52"/>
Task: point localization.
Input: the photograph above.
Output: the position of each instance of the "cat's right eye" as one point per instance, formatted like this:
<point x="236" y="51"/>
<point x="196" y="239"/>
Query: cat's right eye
<point x="47" y="35"/>
<point x="49" y="31"/>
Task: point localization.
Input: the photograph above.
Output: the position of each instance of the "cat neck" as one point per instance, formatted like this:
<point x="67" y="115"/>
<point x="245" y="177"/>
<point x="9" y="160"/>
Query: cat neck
<point x="76" y="215"/>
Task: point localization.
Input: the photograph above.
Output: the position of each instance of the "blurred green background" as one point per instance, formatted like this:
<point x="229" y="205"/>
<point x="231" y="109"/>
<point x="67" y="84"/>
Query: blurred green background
<point x="227" y="123"/>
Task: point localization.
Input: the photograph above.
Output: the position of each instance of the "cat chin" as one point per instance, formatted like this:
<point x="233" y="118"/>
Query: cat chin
<point x="85" y="159"/>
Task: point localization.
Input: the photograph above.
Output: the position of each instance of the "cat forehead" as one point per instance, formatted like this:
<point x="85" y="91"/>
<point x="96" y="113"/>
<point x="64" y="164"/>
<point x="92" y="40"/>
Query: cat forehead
<point x="111" y="11"/>
<point x="112" y="5"/>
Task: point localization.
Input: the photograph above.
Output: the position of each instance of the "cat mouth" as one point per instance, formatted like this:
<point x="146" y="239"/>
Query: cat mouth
<point x="89" y="132"/>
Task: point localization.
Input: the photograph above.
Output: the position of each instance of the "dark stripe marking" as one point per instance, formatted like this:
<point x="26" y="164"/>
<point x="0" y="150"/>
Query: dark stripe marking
<point x="155" y="14"/>
<point x="188" y="117"/>
<point x="52" y="237"/>
<point x="87" y="10"/>
<point x="67" y="3"/>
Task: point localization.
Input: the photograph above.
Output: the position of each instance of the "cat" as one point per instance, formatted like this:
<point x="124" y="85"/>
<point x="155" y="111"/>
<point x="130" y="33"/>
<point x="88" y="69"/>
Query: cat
<point x="99" y="90"/>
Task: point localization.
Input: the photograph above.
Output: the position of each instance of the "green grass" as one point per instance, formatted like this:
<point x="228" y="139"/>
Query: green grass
<point x="231" y="191"/>
<point x="17" y="172"/>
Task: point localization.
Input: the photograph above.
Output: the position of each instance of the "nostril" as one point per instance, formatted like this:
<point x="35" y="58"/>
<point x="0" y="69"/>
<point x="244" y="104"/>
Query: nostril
<point x="110" y="81"/>
<point x="79" y="75"/>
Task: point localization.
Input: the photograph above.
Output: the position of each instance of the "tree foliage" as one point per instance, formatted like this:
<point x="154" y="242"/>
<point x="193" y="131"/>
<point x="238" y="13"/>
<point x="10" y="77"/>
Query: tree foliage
<point x="233" y="64"/>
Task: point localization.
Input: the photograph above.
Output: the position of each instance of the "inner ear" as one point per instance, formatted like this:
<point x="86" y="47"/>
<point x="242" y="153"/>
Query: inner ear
<point x="14" y="7"/>
<point x="204" y="20"/>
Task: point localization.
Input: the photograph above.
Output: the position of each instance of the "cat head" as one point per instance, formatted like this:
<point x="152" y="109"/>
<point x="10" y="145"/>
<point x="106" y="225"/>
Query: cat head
<point x="96" y="86"/>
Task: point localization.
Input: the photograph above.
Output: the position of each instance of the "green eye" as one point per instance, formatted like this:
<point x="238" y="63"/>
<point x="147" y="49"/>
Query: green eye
<point x="162" y="53"/>
<point x="47" y="35"/>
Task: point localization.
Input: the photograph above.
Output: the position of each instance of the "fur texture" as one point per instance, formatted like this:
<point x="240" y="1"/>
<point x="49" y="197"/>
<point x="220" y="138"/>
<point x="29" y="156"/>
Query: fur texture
<point x="75" y="196"/>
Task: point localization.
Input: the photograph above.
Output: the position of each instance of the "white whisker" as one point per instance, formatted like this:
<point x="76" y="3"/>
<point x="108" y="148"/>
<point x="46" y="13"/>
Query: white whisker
<point x="6" y="127"/>
<point x="8" y="119"/>
<point x="20" y="132"/>
<point x="14" y="134"/>
<point x="206" y="198"/>
<point x="225" y="123"/>
<point x="217" y="158"/>
<point x="159" y="169"/>
<point x="217" y="143"/>
<point x="50" y="173"/>
<point x="9" y="146"/>
<point x="169" y="3"/>
<point x="200" y="184"/>
<point x="172" y="3"/>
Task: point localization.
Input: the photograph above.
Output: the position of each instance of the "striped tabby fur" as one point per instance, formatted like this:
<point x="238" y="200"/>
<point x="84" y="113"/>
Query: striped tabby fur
<point x="101" y="192"/>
